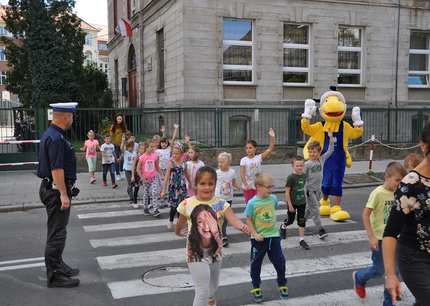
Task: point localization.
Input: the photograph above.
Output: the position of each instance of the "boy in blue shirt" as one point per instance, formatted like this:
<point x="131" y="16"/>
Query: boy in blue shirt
<point x="261" y="220"/>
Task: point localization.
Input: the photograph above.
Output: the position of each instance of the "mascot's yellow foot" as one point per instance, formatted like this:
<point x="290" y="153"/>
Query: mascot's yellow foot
<point x="334" y="209"/>
<point x="339" y="215"/>
<point x="325" y="208"/>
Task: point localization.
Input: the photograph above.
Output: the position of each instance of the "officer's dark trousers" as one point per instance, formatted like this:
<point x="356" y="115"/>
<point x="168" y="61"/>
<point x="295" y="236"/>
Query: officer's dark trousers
<point x="56" y="235"/>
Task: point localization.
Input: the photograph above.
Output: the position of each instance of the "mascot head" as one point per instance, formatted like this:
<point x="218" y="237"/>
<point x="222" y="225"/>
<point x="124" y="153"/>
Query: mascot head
<point x="332" y="106"/>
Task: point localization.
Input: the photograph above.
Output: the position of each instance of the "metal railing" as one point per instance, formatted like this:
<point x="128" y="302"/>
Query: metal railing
<point x="212" y="126"/>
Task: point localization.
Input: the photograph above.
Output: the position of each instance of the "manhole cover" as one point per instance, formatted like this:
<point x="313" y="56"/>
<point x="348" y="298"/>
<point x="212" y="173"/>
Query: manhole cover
<point x="168" y="277"/>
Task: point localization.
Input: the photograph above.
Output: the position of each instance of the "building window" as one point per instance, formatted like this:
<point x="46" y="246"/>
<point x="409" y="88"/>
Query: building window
<point x="160" y="51"/>
<point x="102" y="46"/>
<point x="88" y="39"/>
<point x="296" y="54"/>
<point x="349" y="56"/>
<point x="124" y="90"/>
<point x="3" y="78"/>
<point x="129" y="9"/>
<point x="88" y="58"/>
<point x="4" y="32"/>
<point x="115" y="16"/>
<point x="238" y="51"/>
<point x="419" y="60"/>
<point x="2" y="54"/>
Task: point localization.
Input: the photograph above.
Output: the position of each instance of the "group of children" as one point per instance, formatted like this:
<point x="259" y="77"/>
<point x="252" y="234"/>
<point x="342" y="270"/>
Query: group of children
<point x="202" y="198"/>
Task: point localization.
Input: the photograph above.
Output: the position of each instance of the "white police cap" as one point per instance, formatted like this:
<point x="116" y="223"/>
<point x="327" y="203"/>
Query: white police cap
<point x="69" y="107"/>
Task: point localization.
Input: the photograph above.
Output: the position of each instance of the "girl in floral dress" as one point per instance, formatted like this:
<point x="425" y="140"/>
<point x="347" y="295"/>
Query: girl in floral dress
<point x="175" y="181"/>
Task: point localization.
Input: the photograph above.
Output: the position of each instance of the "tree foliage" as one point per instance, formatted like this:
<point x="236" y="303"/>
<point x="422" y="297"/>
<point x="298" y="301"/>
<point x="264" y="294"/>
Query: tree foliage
<point x="46" y="54"/>
<point x="94" y="88"/>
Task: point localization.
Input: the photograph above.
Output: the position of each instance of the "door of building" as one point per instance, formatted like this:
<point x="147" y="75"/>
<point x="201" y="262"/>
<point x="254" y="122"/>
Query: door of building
<point x="132" y="96"/>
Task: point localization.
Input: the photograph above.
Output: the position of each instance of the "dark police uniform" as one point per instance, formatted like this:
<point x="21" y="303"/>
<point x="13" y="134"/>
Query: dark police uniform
<point x="56" y="152"/>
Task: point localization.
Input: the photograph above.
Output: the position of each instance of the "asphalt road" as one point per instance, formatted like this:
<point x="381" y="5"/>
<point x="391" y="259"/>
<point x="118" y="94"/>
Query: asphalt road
<point x="114" y="246"/>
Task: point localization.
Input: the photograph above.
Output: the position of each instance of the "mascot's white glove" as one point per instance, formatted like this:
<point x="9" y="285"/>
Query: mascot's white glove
<point x="356" y="117"/>
<point x="310" y="109"/>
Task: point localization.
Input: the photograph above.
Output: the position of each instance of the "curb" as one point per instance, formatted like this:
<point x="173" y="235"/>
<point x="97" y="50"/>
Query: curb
<point x="29" y="206"/>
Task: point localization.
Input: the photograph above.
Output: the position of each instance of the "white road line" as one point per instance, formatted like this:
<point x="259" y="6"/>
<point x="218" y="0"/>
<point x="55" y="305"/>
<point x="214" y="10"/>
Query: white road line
<point x="125" y="213"/>
<point x="163" y="222"/>
<point x="176" y="256"/>
<point x="18" y="267"/>
<point x="343" y="297"/>
<point x="143" y="239"/>
<point x="8" y="262"/>
<point x="105" y="206"/>
<point x="238" y="275"/>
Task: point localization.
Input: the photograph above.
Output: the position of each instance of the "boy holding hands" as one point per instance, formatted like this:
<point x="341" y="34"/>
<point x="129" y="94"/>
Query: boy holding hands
<point x="261" y="220"/>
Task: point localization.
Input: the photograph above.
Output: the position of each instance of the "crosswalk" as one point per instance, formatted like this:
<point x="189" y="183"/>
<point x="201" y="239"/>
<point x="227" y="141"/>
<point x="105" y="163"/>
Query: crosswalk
<point x="140" y="258"/>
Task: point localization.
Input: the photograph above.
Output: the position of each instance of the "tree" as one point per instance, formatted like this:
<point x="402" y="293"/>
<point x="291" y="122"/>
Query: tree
<point x="45" y="53"/>
<point x="94" y="88"/>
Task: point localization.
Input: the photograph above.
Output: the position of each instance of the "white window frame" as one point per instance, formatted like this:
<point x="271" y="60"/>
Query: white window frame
<point x="239" y="67"/>
<point x="298" y="46"/>
<point x="351" y="49"/>
<point x="422" y="52"/>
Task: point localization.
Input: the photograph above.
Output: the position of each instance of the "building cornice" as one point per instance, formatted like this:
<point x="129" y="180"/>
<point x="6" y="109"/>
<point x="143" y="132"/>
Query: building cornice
<point x="404" y="4"/>
<point x="153" y="7"/>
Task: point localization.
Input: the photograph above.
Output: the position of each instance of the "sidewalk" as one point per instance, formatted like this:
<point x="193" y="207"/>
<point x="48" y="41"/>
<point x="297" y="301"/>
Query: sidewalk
<point x="19" y="189"/>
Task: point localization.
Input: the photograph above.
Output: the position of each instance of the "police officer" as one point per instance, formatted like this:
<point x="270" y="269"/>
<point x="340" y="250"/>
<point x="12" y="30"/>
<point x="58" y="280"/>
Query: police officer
<point x="57" y="169"/>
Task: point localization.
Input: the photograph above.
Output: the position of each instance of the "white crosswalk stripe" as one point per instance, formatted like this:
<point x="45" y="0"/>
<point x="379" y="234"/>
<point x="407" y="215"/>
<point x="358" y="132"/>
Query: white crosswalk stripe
<point x="236" y="275"/>
<point x="146" y="259"/>
<point x="137" y="242"/>
<point x="164" y="237"/>
<point x="343" y="297"/>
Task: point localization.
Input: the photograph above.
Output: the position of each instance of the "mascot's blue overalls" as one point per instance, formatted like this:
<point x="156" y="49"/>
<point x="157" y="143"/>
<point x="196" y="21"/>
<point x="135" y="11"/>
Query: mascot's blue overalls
<point x="334" y="167"/>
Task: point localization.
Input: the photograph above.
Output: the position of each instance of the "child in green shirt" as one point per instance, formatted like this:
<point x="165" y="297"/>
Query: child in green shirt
<point x="375" y="215"/>
<point x="261" y="220"/>
<point x="295" y="198"/>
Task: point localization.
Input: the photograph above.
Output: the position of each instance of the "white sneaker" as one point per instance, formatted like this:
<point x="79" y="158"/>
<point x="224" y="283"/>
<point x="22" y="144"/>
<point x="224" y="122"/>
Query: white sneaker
<point x="169" y="225"/>
<point x="134" y="205"/>
<point x="118" y="177"/>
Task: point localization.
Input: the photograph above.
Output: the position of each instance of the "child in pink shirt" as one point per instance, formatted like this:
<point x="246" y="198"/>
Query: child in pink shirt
<point x="90" y="147"/>
<point x="148" y="169"/>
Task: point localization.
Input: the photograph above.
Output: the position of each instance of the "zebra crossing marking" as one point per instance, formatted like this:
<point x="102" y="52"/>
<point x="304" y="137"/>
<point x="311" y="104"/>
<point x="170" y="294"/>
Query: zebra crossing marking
<point x="239" y="275"/>
<point x="162" y="222"/>
<point x="343" y="297"/>
<point x="176" y="256"/>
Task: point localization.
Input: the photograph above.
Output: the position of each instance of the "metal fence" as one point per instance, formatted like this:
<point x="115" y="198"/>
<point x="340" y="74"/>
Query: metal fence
<point x="211" y="126"/>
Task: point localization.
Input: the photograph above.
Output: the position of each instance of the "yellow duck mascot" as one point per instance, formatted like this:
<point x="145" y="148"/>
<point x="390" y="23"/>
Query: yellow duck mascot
<point x="332" y="109"/>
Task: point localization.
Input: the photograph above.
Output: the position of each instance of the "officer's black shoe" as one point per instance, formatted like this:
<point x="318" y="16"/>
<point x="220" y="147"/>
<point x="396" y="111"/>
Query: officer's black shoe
<point x="62" y="281"/>
<point x="68" y="271"/>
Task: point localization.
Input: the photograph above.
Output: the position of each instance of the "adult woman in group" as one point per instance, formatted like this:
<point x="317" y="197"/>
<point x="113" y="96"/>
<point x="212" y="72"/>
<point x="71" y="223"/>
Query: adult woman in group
<point x="409" y="222"/>
<point x="117" y="131"/>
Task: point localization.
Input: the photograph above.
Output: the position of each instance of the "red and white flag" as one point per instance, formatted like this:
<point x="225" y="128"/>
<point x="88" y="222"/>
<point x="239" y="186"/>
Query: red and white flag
<point x="124" y="28"/>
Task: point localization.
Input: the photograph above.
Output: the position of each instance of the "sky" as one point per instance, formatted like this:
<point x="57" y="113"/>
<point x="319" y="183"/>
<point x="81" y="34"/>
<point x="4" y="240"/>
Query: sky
<point x="92" y="11"/>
